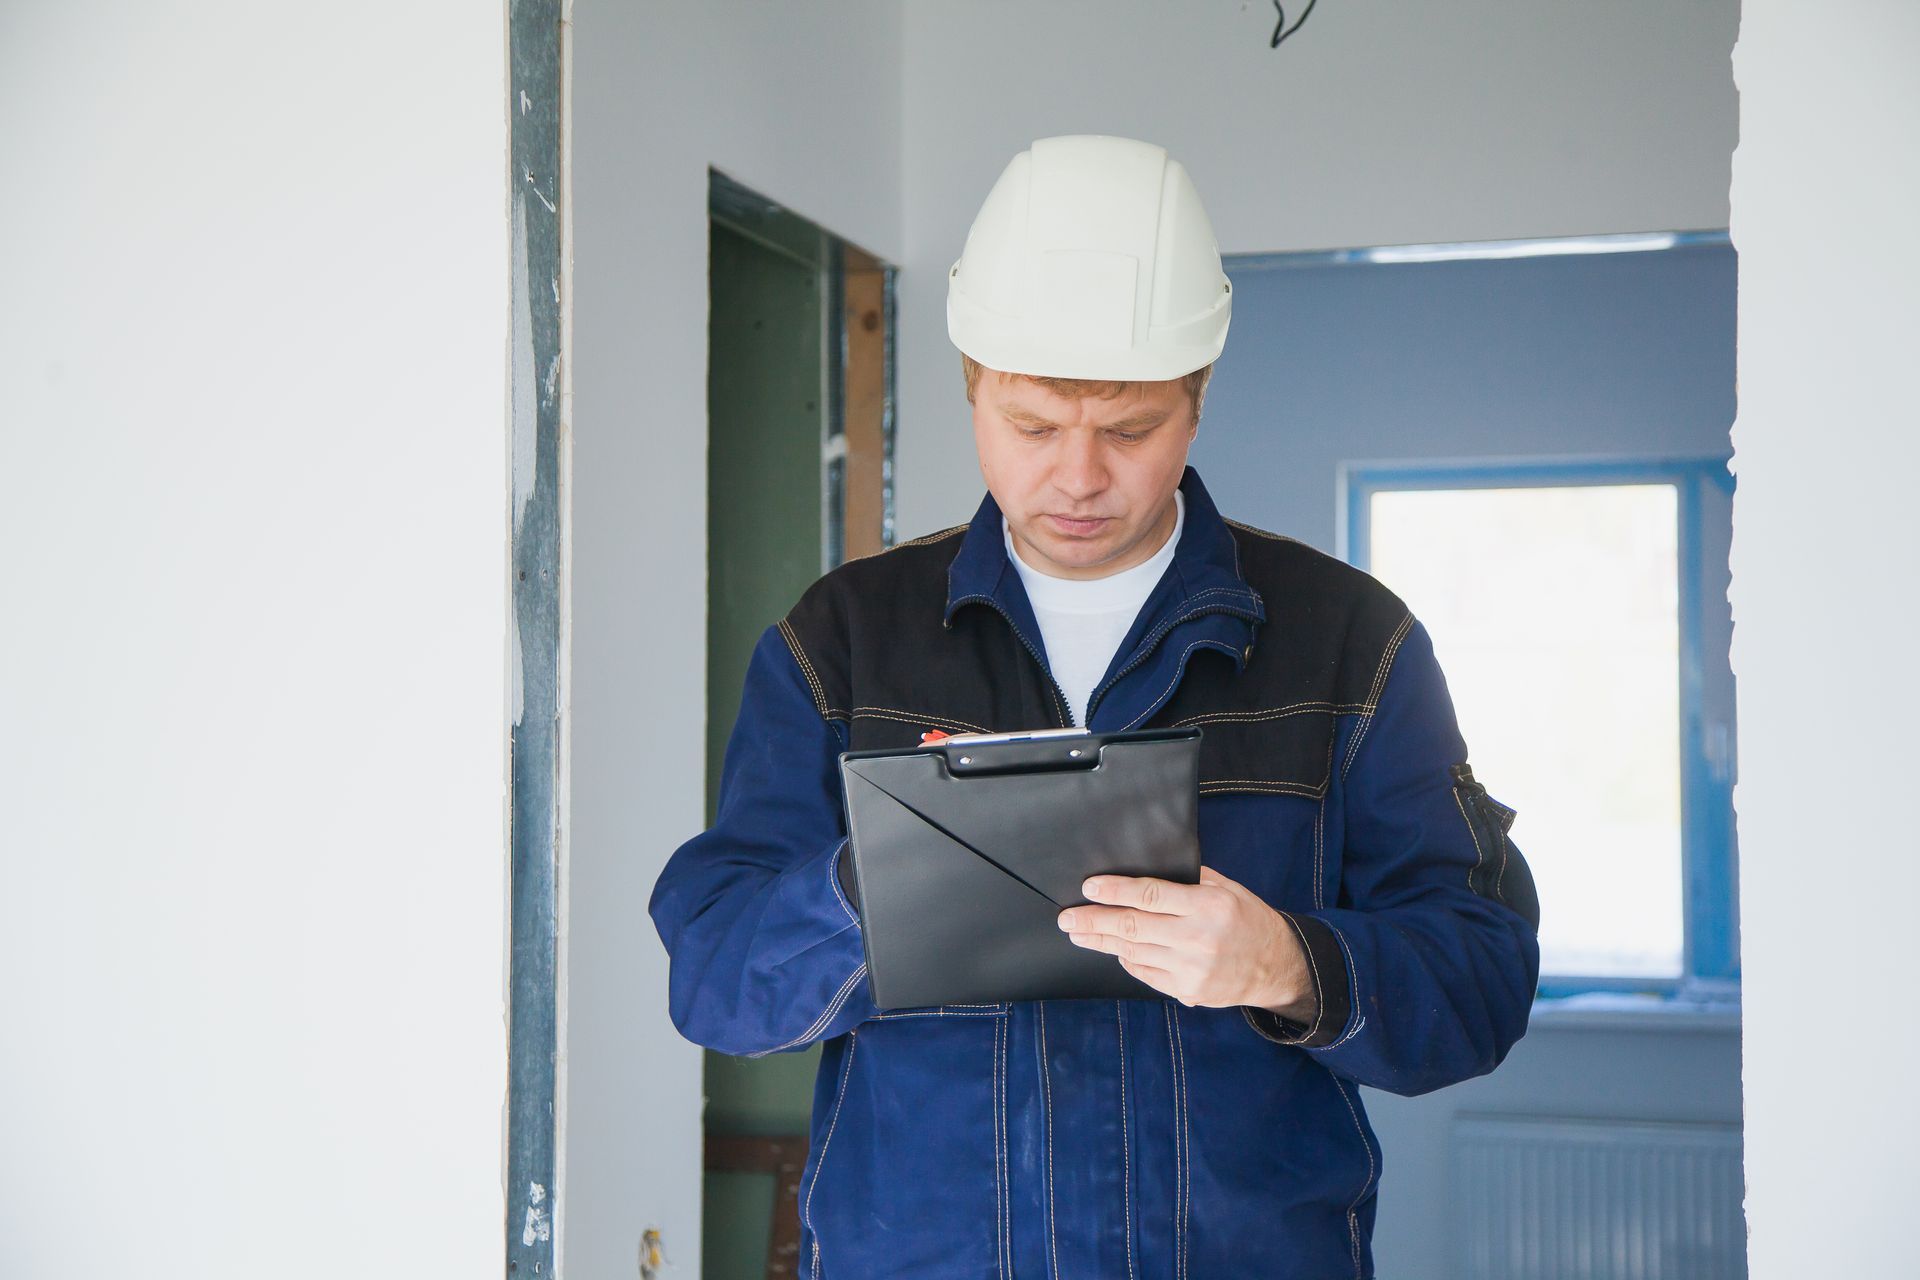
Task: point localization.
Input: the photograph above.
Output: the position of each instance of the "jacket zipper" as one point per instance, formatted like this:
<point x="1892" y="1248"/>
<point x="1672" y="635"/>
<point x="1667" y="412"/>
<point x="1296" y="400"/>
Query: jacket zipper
<point x="1060" y="697"/>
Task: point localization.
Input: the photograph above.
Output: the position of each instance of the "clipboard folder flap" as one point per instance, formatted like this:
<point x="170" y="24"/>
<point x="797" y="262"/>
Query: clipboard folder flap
<point x="962" y="874"/>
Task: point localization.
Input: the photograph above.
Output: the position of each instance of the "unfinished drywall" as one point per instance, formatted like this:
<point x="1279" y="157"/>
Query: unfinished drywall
<point x="252" y="770"/>
<point x="800" y="103"/>
<point x="1374" y="124"/>
<point x="1826" y="448"/>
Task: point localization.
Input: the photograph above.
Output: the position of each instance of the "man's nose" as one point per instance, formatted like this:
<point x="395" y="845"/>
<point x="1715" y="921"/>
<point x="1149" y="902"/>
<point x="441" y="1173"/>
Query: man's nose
<point x="1080" y="470"/>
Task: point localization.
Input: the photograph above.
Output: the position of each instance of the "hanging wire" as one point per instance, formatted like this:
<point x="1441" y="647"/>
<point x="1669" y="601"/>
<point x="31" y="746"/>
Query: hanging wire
<point x="1281" y="30"/>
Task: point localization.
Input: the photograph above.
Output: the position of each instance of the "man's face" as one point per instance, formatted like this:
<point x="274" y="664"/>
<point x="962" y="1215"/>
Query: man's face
<point x="1086" y="484"/>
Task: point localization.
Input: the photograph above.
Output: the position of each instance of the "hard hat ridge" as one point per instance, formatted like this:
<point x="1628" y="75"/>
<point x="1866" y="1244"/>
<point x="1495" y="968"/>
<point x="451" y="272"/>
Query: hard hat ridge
<point x="1091" y="257"/>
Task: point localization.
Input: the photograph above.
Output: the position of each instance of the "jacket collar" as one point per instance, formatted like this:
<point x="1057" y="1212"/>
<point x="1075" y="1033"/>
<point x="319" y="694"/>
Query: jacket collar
<point x="1206" y="560"/>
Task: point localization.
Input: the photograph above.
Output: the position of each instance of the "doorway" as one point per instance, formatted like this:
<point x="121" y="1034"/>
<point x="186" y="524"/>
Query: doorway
<point x="800" y="395"/>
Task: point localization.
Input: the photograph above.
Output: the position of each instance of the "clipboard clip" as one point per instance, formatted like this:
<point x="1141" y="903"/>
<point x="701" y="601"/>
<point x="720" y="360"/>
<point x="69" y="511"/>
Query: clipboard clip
<point x="1025" y="751"/>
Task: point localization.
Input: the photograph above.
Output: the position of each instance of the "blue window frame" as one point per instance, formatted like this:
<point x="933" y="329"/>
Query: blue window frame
<point x="1703" y="488"/>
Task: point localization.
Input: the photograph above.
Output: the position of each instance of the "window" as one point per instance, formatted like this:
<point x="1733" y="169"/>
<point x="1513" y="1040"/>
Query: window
<point x="1566" y="607"/>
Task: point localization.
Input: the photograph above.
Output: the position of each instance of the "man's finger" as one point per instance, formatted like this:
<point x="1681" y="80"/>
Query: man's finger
<point x="1159" y="979"/>
<point x="1148" y="893"/>
<point x="1134" y="952"/>
<point x="1122" y="922"/>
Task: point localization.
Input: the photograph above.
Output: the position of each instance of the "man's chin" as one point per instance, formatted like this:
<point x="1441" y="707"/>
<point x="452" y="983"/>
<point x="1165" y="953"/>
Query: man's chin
<point x="1083" y="554"/>
<point x="1083" y="551"/>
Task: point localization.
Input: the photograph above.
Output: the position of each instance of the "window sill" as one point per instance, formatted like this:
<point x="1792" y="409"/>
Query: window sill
<point x="1631" y="1011"/>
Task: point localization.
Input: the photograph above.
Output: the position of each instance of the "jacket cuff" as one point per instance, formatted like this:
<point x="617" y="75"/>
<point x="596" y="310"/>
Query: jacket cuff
<point x="1333" y="1005"/>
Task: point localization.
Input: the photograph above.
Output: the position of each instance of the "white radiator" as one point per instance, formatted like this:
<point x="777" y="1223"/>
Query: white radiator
<point x="1551" y="1199"/>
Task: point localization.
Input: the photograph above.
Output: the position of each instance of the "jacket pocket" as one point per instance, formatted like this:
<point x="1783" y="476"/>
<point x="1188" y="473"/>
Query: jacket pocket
<point x="1499" y="872"/>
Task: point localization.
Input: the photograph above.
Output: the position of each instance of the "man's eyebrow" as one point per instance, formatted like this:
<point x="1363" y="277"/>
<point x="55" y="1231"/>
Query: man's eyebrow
<point x="1145" y="418"/>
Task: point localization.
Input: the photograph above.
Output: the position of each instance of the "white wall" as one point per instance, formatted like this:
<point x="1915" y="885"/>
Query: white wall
<point x="253" y="407"/>
<point x="1375" y="124"/>
<point x="1825" y="184"/>
<point x="802" y="104"/>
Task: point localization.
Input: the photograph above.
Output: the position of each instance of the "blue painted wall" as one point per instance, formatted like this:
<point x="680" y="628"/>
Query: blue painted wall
<point x="1622" y="353"/>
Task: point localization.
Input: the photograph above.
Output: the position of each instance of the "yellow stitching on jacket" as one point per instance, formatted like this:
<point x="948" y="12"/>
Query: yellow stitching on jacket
<point x="1353" y="1223"/>
<point x="826" y="1014"/>
<point x="932" y="537"/>
<point x="1386" y="662"/>
<point x="806" y="667"/>
<point x="1186" y="1139"/>
<point x="1274" y="713"/>
<point x="1276" y="537"/>
<point x="1479" y="851"/>
<point x="1173" y="1078"/>
<point x="833" y="878"/>
<point x="1320" y="853"/>
<point x="913" y="542"/>
<point x="1001" y="1190"/>
<point x="914" y="717"/>
<point x="1153" y="638"/>
<point x="1260" y="784"/>
<point x="1373" y="695"/>
<point x="1179" y="669"/>
<point x="1126" y="1160"/>
<point x="1046" y="1079"/>
<point x="1500" y="877"/>
<point x="853" y="1043"/>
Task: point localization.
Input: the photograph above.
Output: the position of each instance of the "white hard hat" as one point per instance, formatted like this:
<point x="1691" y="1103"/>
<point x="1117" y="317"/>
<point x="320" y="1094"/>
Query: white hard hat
<point x="1091" y="258"/>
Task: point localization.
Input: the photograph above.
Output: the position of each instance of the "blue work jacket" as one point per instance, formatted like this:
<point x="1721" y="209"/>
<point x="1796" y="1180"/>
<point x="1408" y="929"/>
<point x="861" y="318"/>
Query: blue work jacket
<point x="1099" y="1139"/>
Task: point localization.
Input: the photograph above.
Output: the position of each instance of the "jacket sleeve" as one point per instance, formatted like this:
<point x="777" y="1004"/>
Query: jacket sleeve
<point x="1427" y="964"/>
<point x="763" y="943"/>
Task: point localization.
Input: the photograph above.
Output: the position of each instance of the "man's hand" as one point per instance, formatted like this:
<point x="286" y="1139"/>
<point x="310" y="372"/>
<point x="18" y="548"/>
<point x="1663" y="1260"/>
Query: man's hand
<point x="1216" y="943"/>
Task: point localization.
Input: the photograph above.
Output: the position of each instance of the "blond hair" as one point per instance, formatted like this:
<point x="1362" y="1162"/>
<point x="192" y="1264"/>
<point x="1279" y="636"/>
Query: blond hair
<point x="1195" y="384"/>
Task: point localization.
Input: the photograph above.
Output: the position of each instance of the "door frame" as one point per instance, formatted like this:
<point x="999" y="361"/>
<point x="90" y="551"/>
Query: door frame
<point x="538" y="43"/>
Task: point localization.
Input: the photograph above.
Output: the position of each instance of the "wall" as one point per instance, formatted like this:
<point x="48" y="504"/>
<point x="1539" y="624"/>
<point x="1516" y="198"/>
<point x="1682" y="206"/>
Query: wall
<point x="1824" y="187"/>
<point x="1614" y="354"/>
<point x="801" y="104"/>
<point x="1375" y="124"/>
<point x="252" y="779"/>
<point x="887" y="123"/>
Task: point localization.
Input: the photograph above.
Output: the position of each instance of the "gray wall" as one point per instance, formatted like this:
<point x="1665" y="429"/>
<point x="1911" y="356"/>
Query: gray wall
<point x="802" y="104"/>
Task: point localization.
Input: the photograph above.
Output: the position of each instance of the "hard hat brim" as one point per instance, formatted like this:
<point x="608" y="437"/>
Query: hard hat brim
<point x="1164" y="361"/>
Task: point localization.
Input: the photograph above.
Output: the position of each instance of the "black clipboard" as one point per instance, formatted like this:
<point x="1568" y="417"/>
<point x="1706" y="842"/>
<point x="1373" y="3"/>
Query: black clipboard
<point x="965" y="851"/>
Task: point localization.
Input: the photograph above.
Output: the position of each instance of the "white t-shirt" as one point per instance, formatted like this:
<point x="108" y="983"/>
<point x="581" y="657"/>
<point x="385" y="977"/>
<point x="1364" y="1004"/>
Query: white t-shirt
<point x="1082" y="621"/>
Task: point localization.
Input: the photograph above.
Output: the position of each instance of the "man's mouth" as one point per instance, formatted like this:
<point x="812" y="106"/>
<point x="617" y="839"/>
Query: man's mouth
<point x="1067" y="524"/>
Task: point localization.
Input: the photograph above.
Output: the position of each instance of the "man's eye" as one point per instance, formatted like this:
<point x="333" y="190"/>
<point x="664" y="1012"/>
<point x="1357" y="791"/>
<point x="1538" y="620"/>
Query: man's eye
<point x="1129" y="437"/>
<point x="1033" y="433"/>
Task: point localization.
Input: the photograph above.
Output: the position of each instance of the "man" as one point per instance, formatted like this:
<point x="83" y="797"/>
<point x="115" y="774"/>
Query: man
<point x="1361" y="917"/>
